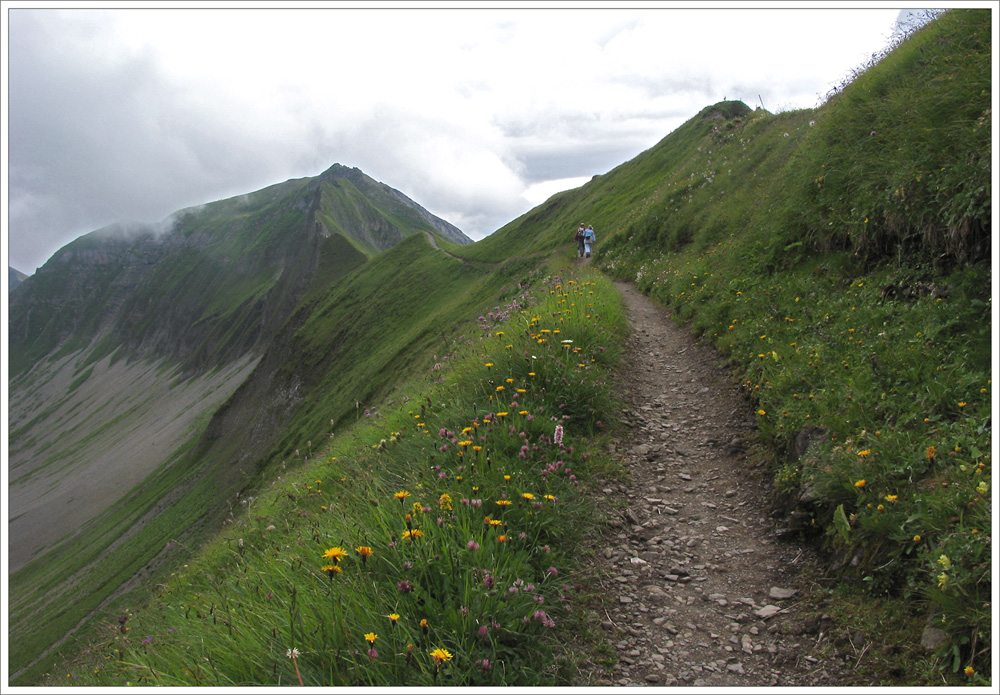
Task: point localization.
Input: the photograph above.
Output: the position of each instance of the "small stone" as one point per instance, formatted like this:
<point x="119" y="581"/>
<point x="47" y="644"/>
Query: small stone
<point x="781" y="594"/>
<point x="652" y="678"/>
<point x="767" y="611"/>
<point x="933" y="638"/>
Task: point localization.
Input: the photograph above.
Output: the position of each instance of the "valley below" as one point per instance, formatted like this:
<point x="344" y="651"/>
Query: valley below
<point x="120" y="422"/>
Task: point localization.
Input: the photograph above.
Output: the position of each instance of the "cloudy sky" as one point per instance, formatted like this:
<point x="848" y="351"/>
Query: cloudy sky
<point x="478" y="113"/>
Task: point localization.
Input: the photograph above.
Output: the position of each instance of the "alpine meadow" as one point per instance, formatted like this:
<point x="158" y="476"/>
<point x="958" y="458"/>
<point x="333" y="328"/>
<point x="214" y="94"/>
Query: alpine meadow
<point x="315" y="436"/>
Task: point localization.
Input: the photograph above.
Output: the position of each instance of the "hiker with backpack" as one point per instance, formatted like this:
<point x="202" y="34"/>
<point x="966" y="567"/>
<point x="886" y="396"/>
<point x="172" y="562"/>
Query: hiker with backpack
<point x="588" y="240"/>
<point x="579" y="240"/>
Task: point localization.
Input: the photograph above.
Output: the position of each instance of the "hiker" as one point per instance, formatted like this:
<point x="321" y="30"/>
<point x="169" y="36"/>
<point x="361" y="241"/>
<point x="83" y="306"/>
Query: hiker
<point x="579" y="239"/>
<point x="588" y="240"/>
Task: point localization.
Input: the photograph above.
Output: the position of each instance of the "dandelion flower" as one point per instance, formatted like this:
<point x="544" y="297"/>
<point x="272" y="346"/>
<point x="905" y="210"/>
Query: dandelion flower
<point x="440" y="655"/>
<point x="415" y="533"/>
<point x="331" y="570"/>
<point x="504" y="503"/>
<point x="370" y="637"/>
<point x="891" y="498"/>
<point x="394" y="617"/>
<point x="335" y="554"/>
<point x="401" y="495"/>
<point x="860" y="483"/>
<point x="364" y="551"/>
<point x="969" y="671"/>
<point x="916" y="539"/>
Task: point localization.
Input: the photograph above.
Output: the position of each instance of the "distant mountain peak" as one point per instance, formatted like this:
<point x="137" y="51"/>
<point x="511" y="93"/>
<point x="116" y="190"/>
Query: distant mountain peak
<point x="14" y="278"/>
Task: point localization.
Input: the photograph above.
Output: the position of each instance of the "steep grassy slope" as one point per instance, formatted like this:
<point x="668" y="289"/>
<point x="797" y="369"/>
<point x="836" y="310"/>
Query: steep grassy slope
<point x="414" y="576"/>
<point x="842" y="259"/>
<point x="374" y="216"/>
<point x="858" y="322"/>
<point x="352" y="343"/>
<point x="349" y="349"/>
<point x="122" y="348"/>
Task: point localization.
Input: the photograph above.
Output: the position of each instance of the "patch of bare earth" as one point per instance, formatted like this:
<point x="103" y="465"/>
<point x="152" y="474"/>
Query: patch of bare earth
<point x="696" y="588"/>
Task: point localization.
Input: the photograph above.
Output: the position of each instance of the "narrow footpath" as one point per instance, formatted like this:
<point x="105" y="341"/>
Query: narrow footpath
<point x="697" y="589"/>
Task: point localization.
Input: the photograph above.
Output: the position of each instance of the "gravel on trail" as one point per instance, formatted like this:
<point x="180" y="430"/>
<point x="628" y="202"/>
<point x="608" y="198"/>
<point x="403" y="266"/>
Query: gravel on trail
<point x="696" y="588"/>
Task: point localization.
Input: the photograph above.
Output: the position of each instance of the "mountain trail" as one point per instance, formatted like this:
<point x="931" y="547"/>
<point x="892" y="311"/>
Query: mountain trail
<point x="695" y="587"/>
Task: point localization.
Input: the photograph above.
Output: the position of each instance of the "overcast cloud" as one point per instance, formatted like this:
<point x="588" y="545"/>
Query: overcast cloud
<point x="476" y="114"/>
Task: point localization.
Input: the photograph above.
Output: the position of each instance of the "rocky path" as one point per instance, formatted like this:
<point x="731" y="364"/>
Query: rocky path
<point x="697" y="589"/>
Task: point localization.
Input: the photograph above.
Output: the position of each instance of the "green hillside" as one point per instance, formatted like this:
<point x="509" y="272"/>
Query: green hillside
<point x="220" y="288"/>
<point x="446" y="413"/>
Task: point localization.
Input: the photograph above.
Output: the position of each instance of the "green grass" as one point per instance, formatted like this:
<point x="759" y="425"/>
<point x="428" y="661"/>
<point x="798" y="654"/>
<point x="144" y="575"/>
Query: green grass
<point x="418" y="485"/>
<point x="852" y="301"/>
<point x="845" y="276"/>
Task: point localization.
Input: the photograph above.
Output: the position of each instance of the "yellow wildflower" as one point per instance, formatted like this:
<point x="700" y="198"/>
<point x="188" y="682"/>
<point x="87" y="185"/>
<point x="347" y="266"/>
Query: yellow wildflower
<point x="440" y="655"/>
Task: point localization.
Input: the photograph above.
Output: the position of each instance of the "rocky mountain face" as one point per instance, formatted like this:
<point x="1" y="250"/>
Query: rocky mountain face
<point x="136" y="324"/>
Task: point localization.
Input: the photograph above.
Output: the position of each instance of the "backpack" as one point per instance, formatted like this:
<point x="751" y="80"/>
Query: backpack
<point x="578" y="235"/>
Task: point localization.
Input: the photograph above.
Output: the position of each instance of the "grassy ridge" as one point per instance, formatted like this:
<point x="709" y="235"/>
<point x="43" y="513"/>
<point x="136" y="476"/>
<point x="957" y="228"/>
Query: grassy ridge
<point x="841" y="257"/>
<point x="850" y="286"/>
<point x="428" y="545"/>
<point x="857" y="317"/>
<point x="387" y="320"/>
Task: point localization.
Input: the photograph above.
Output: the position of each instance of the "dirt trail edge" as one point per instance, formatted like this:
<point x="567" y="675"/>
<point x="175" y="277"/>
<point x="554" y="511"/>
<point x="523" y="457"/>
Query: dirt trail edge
<point x="697" y="590"/>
